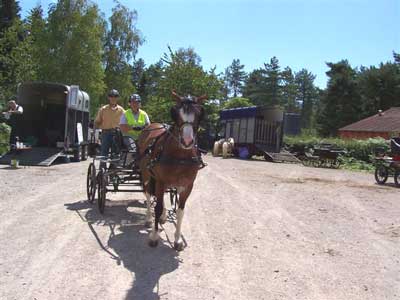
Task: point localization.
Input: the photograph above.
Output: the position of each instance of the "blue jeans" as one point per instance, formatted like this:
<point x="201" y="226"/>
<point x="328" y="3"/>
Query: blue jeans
<point x="106" y="142"/>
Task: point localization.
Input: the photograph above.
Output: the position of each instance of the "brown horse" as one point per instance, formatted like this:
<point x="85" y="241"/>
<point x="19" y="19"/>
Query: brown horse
<point x="169" y="158"/>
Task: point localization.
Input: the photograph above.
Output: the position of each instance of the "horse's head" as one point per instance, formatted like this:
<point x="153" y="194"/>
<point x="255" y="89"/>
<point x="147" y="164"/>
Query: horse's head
<point x="187" y="114"/>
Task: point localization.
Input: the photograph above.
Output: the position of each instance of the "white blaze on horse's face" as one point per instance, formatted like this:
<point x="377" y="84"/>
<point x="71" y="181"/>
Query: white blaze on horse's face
<point x="187" y="133"/>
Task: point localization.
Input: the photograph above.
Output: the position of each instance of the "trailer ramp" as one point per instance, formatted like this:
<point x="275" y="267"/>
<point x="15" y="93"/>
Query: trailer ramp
<point x="281" y="157"/>
<point x="37" y="156"/>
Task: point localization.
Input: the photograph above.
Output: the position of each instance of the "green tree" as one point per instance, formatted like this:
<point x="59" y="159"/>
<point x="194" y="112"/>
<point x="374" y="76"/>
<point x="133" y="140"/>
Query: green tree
<point x="150" y="80"/>
<point x="36" y="27"/>
<point x="254" y="88"/>
<point x="138" y="68"/>
<point x="11" y="35"/>
<point x="306" y="95"/>
<point x="289" y="91"/>
<point x="9" y="11"/>
<point x="237" y="102"/>
<point x="235" y="77"/>
<point x="264" y="86"/>
<point x="183" y="73"/>
<point x="342" y="102"/>
<point x="273" y="80"/>
<point x="122" y="42"/>
<point x="15" y="61"/>
<point x="74" y="39"/>
<point x="379" y="87"/>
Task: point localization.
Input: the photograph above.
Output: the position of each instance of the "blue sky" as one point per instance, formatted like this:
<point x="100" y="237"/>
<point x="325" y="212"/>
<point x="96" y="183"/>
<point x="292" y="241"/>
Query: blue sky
<point x="300" y="33"/>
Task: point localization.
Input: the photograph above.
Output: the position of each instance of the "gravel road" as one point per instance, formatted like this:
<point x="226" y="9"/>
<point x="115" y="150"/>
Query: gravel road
<point x="254" y="230"/>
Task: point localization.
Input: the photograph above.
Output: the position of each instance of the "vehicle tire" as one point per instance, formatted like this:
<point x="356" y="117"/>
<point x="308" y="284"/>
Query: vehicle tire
<point x="85" y="152"/>
<point x="381" y="174"/>
<point x="91" y="183"/>
<point x="397" y="178"/>
<point x="102" y="190"/>
<point x="77" y="154"/>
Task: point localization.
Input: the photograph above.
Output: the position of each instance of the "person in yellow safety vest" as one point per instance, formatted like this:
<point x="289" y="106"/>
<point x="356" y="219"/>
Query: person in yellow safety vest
<point x="134" y="120"/>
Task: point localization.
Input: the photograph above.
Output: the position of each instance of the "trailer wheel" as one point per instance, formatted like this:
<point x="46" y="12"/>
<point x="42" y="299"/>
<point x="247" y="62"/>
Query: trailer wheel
<point x="84" y="152"/>
<point x="77" y="154"/>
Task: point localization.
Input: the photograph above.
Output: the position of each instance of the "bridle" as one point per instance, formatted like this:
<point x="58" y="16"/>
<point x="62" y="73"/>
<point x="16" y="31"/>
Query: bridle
<point x="186" y="101"/>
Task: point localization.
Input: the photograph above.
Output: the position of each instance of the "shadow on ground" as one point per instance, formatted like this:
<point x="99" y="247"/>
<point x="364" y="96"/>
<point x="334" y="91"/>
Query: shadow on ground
<point x="130" y="244"/>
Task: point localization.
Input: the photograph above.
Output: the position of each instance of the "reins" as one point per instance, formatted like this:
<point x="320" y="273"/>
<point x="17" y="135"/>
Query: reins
<point x="168" y="160"/>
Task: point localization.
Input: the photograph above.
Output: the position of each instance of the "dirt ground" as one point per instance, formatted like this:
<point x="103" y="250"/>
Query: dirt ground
<point x="254" y="230"/>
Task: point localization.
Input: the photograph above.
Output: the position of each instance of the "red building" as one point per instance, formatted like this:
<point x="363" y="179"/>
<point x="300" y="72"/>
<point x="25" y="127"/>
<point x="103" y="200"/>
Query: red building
<point x="384" y="124"/>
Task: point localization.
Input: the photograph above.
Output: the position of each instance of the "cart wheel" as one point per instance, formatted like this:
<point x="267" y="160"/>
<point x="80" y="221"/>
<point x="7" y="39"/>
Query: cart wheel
<point x="306" y="162"/>
<point x="102" y="190"/>
<point x="334" y="163"/>
<point x="381" y="174"/>
<point x="317" y="163"/>
<point x="91" y="182"/>
<point x="397" y="178"/>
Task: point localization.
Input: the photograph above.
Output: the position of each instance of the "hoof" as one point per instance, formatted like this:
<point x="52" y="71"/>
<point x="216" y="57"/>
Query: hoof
<point x="178" y="246"/>
<point x="148" y="224"/>
<point x="153" y="243"/>
<point x="162" y="221"/>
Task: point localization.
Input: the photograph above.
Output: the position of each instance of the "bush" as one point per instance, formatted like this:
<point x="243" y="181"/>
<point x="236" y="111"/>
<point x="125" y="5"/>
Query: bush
<point x="5" y="131"/>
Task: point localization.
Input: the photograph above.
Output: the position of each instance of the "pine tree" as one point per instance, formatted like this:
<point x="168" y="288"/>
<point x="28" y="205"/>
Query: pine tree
<point x="306" y="95"/>
<point x="273" y="82"/>
<point x="9" y="12"/>
<point x="235" y="77"/>
<point x="254" y="87"/>
<point x="289" y="91"/>
<point x="342" y="102"/>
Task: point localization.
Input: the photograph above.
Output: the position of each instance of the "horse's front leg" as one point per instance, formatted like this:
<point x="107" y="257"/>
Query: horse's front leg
<point x="149" y="216"/>
<point x="154" y="235"/>
<point x="183" y="195"/>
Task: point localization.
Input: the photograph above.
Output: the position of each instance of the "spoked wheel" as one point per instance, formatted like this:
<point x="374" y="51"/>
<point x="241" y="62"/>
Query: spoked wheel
<point x="102" y="190"/>
<point x="381" y="174"/>
<point x="307" y="162"/>
<point x="397" y="178"/>
<point x="91" y="182"/>
<point x="334" y="163"/>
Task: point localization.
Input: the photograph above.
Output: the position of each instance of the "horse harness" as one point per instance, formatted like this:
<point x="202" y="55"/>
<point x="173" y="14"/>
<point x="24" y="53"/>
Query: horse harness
<point x="163" y="159"/>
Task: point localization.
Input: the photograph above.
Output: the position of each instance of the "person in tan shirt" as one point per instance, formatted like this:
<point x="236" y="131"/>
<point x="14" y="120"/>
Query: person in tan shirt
<point x="107" y="119"/>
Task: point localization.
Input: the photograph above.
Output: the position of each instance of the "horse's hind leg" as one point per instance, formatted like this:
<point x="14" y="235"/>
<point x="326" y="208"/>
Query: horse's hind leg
<point x="178" y="243"/>
<point x="154" y="235"/>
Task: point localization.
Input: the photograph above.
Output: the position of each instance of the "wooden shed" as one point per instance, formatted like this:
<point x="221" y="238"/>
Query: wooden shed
<point x="384" y="124"/>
